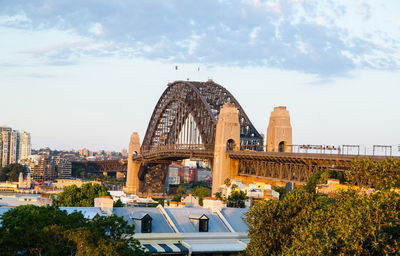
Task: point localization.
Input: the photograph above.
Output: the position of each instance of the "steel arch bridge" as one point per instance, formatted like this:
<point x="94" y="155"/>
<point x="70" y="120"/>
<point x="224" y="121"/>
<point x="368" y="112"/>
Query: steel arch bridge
<point x="184" y="125"/>
<point x="187" y="114"/>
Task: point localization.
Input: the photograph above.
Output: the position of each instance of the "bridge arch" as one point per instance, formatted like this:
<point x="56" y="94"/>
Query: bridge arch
<point x="199" y="102"/>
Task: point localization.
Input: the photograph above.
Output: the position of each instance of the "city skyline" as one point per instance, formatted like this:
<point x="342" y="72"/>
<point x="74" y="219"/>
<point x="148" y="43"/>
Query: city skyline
<point x="89" y="83"/>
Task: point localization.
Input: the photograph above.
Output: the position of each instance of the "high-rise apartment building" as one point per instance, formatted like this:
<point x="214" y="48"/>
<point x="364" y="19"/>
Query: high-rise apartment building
<point x="14" y="146"/>
<point x="24" y="145"/>
<point x="8" y="148"/>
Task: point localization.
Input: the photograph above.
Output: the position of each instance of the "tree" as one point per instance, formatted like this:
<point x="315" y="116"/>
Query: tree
<point x="181" y="190"/>
<point x="381" y="175"/>
<point x="83" y="196"/>
<point x="179" y="193"/>
<point x="118" y="203"/>
<point x="37" y="230"/>
<point x="227" y="182"/>
<point x="201" y="192"/>
<point x="306" y="223"/>
<point x="321" y="177"/>
<point x="236" y="199"/>
<point x="281" y="190"/>
<point x="11" y="172"/>
<point x="218" y="195"/>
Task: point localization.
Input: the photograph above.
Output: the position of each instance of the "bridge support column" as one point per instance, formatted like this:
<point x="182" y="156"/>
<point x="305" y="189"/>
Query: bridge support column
<point x="279" y="132"/>
<point x="132" y="179"/>
<point x="227" y="137"/>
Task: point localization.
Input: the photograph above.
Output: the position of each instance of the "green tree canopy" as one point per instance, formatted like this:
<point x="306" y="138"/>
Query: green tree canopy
<point x="236" y="198"/>
<point x="83" y="196"/>
<point x="201" y="192"/>
<point x="378" y="174"/>
<point x="11" y="172"/>
<point x="306" y="223"/>
<point x="37" y="230"/>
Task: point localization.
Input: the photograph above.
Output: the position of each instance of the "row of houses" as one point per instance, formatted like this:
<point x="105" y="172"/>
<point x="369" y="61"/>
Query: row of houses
<point x="178" y="231"/>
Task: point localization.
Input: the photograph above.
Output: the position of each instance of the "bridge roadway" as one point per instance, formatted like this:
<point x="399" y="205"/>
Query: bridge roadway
<point x="296" y="167"/>
<point x="283" y="166"/>
<point x="170" y="153"/>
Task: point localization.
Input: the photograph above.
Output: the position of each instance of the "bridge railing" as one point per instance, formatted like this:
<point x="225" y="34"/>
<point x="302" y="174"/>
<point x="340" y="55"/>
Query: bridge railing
<point x="342" y="150"/>
<point x="178" y="147"/>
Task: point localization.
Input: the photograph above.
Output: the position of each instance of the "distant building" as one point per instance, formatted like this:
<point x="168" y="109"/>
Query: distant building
<point x="124" y="153"/>
<point x="64" y="168"/>
<point x="257" y="190"/>
<point x="23" y="145"/>
<point x="43" y="171"/>
<point x="8" y="139"/>
<point x="14" y="146"/>
<point x="62" y="183"/>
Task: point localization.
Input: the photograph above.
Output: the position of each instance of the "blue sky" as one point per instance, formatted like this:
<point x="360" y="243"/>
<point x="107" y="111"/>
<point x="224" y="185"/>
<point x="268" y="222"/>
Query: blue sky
<point x="88" y="73"/>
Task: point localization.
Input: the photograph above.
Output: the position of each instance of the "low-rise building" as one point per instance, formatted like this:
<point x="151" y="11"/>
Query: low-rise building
<point x="177" y="230"/>
<point x="17" y="200"/>
<point x="256" y="190"/>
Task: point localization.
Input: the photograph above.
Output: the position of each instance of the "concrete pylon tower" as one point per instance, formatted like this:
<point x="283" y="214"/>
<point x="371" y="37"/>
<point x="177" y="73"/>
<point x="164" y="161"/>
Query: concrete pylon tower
<point x="279" y="132"/>
<point x="132" y="179"/>
<point x="227" y="137"/>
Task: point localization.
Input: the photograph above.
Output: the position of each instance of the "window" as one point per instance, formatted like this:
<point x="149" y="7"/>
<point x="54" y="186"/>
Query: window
<point x="282" y="146"/>
<point x="146" y="224"/>
<point x="203" y="225"/>
<point x="230" y="144"/>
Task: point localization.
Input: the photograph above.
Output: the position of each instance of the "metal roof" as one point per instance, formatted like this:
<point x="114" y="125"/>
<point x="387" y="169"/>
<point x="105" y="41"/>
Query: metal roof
<point x="235" y="217"/>
<point x="159" y="222"/>
<point x="88" y="212"/>
<point x="180" y="217"/>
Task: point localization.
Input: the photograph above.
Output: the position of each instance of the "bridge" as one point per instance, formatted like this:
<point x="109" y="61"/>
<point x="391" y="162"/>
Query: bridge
<point x="202" y="120"/>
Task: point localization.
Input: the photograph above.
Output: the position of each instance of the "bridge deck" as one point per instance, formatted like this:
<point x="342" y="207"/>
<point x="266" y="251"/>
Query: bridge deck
<point x="286" y="156"/>
<point x="173" y="155"/>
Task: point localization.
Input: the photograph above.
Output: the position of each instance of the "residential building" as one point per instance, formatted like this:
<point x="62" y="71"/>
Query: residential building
<point x="8" y="139"/>
<point x="14" y="146"/>
<point x="64" y="168"/>
<point x="23" y="145"/>
<point x="43" y="171"/>
<point x="256" y="190"/>
<point x="172" y="231"/>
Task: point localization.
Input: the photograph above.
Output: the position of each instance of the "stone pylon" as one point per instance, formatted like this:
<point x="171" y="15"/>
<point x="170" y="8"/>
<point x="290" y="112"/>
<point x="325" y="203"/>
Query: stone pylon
<point x="132" y="179"/>
<point x="279" y="132"/>
<point x="227" y="137"/>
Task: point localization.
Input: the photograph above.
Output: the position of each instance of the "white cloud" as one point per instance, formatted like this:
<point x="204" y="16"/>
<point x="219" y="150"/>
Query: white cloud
<point x="320" y="21"/>
<point x="365" y="9"/>
<point x="58" y="46"/>
<point x="310" y="36"/>
<point x="97" y="29"/>
<point x="275" y="6"/>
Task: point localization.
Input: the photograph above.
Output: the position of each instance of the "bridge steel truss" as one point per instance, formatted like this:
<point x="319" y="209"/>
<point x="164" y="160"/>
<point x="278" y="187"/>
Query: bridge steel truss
<point x="287" y="166"/>
<point x="187" y="113"/>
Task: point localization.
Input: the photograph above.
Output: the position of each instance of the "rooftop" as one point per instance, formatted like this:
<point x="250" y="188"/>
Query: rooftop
<point x="180" y="218"/>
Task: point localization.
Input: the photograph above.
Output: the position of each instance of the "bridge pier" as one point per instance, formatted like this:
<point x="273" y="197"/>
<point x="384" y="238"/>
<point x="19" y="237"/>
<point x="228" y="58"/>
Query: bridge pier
<point x="227" y="137"/>
<point x="132" y="179"/>
<point x="279" y="132"/>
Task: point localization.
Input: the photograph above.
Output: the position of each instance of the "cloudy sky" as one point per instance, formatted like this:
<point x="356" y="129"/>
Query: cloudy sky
<point x="87" y="73"/>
